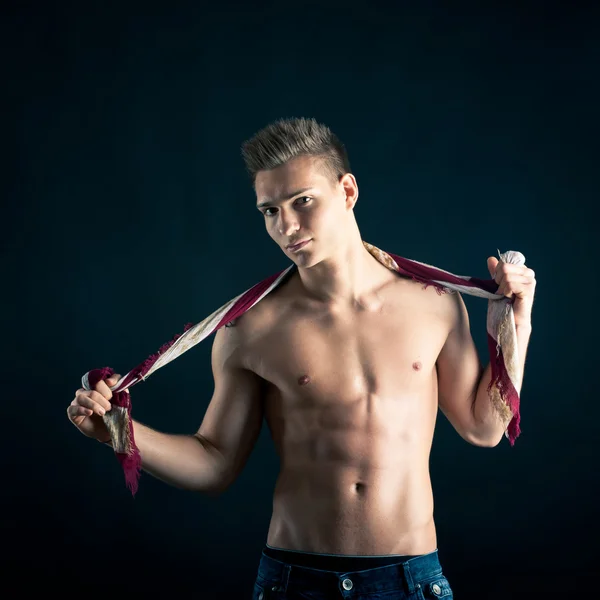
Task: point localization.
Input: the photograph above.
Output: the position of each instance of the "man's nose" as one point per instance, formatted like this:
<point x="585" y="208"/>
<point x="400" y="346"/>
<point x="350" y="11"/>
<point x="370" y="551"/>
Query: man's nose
<point x="288" y="223"/>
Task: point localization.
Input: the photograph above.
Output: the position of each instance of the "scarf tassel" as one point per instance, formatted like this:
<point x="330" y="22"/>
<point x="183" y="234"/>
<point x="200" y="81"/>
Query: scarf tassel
<point x="503" y="394"/>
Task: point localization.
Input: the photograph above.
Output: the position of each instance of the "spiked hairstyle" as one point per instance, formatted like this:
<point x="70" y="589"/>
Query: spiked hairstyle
<point x="285" y="139"/>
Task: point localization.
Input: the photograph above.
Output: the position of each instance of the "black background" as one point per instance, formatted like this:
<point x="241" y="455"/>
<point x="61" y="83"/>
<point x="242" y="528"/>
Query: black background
<point x="127" y="213"/>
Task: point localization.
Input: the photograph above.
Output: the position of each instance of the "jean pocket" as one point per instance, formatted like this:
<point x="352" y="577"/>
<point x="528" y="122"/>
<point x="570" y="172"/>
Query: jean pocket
<point x="436" y="588"/>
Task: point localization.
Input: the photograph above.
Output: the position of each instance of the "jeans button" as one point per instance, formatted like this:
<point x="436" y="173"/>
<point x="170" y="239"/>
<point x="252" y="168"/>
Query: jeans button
<point x="347" y="584"/>
<point x="274" y="588"/>
<point x="436" y="589"/>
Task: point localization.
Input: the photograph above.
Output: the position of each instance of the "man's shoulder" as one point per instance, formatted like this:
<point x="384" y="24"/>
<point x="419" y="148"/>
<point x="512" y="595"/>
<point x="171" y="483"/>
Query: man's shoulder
<point x="262" y="316"/>
<point x="245" y="338"/>
<point x="439" y="295"/>
<point x="433" y="306"/>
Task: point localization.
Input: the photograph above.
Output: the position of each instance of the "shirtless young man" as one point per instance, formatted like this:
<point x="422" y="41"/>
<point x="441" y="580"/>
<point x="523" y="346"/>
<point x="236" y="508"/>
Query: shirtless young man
<point x="348" y="362"/>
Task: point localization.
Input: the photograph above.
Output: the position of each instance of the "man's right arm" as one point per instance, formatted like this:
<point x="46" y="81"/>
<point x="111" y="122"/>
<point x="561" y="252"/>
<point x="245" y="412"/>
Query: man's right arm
<point x="183" y="461"/>
<point x="210" y="460"/>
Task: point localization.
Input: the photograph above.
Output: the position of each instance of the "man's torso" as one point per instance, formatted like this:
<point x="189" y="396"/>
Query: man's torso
<point x="351" y="403"/>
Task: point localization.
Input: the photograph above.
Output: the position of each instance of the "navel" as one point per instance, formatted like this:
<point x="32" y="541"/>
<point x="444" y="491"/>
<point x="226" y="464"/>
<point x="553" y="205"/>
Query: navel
<point x="303" y="380"/>
<point x="417" y="366"/>
<point x="359" y="487"/>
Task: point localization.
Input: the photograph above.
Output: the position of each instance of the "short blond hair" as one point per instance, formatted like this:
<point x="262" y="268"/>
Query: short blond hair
<point x="285" y="139"/>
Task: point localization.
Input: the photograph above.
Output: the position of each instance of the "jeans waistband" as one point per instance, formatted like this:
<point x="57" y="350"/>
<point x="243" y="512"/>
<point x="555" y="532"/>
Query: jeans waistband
<point x="405" y="574"/>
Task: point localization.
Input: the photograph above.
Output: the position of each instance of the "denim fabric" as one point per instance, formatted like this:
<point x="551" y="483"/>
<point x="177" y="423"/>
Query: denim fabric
<point x="419" y="578"/>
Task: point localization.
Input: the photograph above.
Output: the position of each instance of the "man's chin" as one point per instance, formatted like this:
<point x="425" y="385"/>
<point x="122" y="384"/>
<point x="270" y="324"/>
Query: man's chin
<point x="306" y="261"/>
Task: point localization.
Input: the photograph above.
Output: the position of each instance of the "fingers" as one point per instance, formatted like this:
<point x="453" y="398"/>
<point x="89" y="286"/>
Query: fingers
<point x="112" y="380"/>
<point x="514" y="284"/>
<point x="97" y="401"/>
<point x="514" y="273"/>
<point x="103" y="387"/>
<point x="87" y="403"/>
<point x="100" y="400"/>
<point x="74" y="410"/>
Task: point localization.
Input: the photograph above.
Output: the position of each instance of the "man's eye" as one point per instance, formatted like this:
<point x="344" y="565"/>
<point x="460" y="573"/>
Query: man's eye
<point x="268" y="214"/>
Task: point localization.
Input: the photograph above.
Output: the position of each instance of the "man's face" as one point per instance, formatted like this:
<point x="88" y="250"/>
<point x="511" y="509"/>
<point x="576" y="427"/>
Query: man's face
<point x="299" y="203"/>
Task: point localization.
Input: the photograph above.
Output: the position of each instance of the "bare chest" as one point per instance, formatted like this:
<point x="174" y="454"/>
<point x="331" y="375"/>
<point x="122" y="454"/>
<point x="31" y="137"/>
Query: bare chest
<point x="320" y="359"/>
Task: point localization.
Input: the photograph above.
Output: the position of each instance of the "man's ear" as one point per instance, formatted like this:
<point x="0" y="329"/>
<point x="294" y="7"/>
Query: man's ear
<point x="348" y="183"/>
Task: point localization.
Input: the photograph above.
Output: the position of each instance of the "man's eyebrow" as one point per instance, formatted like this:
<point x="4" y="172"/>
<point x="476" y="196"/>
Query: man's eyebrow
<point x="271" y="202"/>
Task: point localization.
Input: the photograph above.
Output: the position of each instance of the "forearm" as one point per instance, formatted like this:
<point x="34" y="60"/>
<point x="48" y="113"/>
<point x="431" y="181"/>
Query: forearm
<point x="183" y="461"/>
<point x="488" y="425"/>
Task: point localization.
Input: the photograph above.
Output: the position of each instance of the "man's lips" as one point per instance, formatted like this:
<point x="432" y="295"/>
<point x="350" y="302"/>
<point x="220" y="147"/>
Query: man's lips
<point x="298" y="245"/>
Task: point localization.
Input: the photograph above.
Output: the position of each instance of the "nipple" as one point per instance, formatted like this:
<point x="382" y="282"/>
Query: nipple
<point x="417" y="366"/>
<point x="303" y="380"/>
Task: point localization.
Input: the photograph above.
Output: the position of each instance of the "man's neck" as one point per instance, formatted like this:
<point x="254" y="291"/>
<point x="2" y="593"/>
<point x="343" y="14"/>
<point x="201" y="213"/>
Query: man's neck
<point x="345" y="279"/>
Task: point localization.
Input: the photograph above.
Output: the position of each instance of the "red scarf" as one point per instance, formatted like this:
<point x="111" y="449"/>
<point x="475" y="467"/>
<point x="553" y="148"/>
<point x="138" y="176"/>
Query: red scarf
<point x="501" y="337"/>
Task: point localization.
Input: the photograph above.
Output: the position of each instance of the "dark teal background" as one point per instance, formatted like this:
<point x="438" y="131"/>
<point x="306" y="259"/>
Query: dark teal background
<point x="127" y="213"/>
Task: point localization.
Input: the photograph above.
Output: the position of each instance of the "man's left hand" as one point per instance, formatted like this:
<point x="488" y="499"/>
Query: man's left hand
<point x="517" y="281"/>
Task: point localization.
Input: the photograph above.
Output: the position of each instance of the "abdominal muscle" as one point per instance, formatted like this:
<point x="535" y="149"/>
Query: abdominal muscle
<point x="356" y="489"/>
<point x="320" y="509"/>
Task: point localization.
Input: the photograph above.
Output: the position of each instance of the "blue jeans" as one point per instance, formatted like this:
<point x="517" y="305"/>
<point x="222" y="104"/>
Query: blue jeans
<point x="419" y="578"/>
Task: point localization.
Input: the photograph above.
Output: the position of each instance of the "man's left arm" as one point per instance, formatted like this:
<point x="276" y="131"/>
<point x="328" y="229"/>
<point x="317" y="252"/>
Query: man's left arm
<point x="462" y="383"/>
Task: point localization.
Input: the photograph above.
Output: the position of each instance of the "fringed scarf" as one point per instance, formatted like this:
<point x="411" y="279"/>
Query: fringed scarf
<point x="501" y="338"/>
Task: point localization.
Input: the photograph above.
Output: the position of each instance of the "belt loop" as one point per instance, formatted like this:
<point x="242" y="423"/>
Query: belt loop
<point x="410" y="584"/>
<point x="285" y="577"/>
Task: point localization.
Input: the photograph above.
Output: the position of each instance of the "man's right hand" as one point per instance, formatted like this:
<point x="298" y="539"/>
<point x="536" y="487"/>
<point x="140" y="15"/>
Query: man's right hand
<point x="87" y="408"/>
